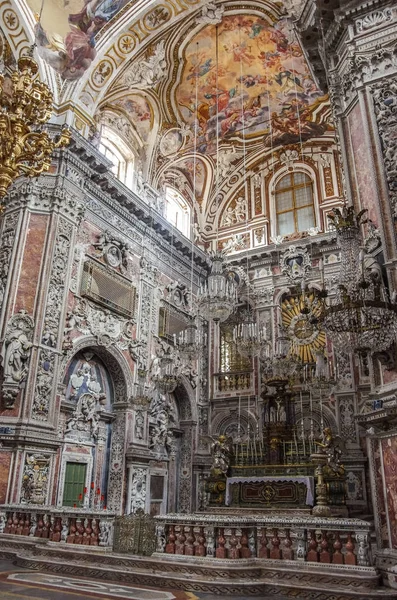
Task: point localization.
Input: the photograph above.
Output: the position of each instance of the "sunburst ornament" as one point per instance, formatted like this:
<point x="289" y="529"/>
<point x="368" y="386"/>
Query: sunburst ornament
<point x="305" y="337"/>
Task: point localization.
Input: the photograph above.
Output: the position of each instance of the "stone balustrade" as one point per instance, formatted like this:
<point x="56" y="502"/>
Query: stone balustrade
<point x="233" y="382"/>
<point x="307" y="539"/>
<point x="72" y="526"/>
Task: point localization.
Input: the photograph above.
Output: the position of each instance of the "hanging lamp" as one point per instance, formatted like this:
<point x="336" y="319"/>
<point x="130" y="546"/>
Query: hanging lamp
<point x="217" y="295"/>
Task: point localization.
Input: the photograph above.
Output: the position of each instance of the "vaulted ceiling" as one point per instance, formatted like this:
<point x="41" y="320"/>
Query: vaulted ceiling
<point x="164" y="73"/>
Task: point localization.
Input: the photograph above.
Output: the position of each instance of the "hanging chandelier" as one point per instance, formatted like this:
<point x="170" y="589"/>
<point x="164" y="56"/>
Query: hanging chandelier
<point x="249" y="337"/>
<point x="190" y="341"/>
<point x="281" y="367"/>
<point x="217" y="296"/>
<point x="25" y="105"/>
<point x="360" y="318"/>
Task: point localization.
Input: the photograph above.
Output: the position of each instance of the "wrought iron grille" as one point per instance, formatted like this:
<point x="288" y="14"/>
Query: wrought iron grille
<point x="108" y="288"/>
<point x="135" y="534"/>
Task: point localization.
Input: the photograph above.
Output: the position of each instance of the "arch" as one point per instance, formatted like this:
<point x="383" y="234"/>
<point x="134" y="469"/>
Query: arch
<point x="113" y="359"/>
<point x="222" y="422"/>
<point x="185" y="398"/>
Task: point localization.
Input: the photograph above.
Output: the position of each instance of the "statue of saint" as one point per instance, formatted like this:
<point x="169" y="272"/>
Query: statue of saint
<point x="222" y="451"/>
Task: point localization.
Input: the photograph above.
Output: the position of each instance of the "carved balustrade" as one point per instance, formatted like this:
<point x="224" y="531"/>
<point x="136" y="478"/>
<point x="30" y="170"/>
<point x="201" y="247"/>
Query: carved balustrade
<point x="307" y="539"/>
<point x="234" y="382"/>
<point x="76" y="526"/>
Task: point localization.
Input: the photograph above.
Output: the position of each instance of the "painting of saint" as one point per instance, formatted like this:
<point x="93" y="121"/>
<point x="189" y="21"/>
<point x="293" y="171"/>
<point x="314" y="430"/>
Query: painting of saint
<point x="260" y="85"/>
<point x="65" y="36"/>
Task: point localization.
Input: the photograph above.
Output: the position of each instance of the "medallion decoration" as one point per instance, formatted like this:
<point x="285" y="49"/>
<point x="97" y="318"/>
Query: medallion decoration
<point x="295" y="263"/>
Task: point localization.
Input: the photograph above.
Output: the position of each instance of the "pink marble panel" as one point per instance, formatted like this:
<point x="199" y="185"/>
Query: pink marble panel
<point x="31" y="263"/>
<point x="361" y="164"/>
<point x="389" y="450"/>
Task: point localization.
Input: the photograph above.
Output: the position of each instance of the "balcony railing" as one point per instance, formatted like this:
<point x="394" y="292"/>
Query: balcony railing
<point x="76" y="526"/>
<point x="234" y="382"/>
<point x="306" y="539"/>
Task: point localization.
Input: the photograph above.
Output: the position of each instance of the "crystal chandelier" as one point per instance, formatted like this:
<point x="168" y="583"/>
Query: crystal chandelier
<point x="190" y="341"/>
<point x="168" y="378"/>
<point x="249" y="337"/>
<point x="281" y="367"/>
<point x="25" y="105"/>
<point x="217" y="296"/>
<point x="360" y="318"/>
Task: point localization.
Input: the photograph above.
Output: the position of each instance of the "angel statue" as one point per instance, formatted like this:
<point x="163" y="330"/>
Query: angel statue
<point x="222" y="451"/>
<point x="331" y="447"/>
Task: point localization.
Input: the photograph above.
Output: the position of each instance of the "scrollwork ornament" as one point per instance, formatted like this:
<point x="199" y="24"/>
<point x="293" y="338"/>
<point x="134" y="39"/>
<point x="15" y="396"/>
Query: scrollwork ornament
<point x="385" y="99"/>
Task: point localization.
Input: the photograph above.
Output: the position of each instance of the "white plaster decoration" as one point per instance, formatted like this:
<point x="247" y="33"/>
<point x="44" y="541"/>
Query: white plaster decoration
<point x="113" y="250"/>
<point x="234" y="244"/>
<point x="53" y="315"/>
<point x="385" y="98"/>
<point x="295" y="263"/>
<point x="348" y="427"/>
<point x="227" y="156"/>
<point x="289" y="157"/>
<point x="138" y="488"/>
<point x="162" y="418"/>
<point x="107" y="327"/>
<point x="83" y="425"/>
<point x="15" y="354"/>
<point x="211" y="14"/>
<point x="354" y="487"/>
<point x="8" y="234"/>
<point x="35" y="479"/>
<point x="146" y="73"/>
<point x="238" y="214"/>
<point x="116" y="463"/>
<point x="373" y="19"/>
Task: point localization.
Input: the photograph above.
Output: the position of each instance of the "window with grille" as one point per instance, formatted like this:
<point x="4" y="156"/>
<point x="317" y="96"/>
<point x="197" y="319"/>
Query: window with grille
<point x="294" y="204"/>
<point x="230" y="360"/>
<point x="108" y="288"/>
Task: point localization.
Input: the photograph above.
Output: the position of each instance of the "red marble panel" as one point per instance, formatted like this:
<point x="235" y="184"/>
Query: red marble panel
<point x="389" y="449"/>
<point x="362" y="169"/>
<point x="31" y="263"/>
<point x="5" y="461"/>
<point x="388" y="376"/>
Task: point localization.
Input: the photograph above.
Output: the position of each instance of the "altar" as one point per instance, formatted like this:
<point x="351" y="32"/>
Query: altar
<point x="285" y="490"/>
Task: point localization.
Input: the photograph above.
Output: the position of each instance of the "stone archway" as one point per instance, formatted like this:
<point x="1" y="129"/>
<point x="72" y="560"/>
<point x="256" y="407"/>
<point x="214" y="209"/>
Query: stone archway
<point x="122" y="380"/>
<point x="181" y="481"/>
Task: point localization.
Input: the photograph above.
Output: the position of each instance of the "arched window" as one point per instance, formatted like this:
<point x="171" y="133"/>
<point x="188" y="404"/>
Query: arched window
<point x="294" y="203"/>
<point x="113" y="147"/>
<point x="177" y="211"/>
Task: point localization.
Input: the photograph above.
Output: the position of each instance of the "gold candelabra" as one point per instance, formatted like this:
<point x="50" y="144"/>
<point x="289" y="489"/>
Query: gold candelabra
<point x="25" y="105"/>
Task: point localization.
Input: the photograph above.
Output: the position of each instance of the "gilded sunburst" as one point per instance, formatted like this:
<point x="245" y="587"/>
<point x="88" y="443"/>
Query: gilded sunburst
<point x="306" y="338"/>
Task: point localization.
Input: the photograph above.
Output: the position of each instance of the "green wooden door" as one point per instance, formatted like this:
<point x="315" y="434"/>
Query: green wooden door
<point x="74" y="483"/>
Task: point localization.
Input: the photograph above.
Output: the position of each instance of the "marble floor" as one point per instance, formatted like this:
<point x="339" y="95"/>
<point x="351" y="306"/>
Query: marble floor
<point x="22" y="584"/>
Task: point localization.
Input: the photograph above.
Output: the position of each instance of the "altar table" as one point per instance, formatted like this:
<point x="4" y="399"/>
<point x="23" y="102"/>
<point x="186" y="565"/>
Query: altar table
<point x="308" y="481"/>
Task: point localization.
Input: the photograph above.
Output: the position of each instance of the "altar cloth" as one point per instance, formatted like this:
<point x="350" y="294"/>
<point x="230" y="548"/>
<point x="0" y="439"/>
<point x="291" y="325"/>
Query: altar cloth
<point x="308" y="481"/>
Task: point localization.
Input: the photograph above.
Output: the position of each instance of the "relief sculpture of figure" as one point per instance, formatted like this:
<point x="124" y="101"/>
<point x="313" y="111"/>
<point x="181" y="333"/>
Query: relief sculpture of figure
<point x="16" y="355"/>
<point x="222" y="451"/>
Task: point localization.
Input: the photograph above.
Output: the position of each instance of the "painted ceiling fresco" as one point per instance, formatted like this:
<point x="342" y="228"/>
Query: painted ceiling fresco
<point x="139" y="111"/>
<point x="262" y="86"/>
<point x="65" y="36"/>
